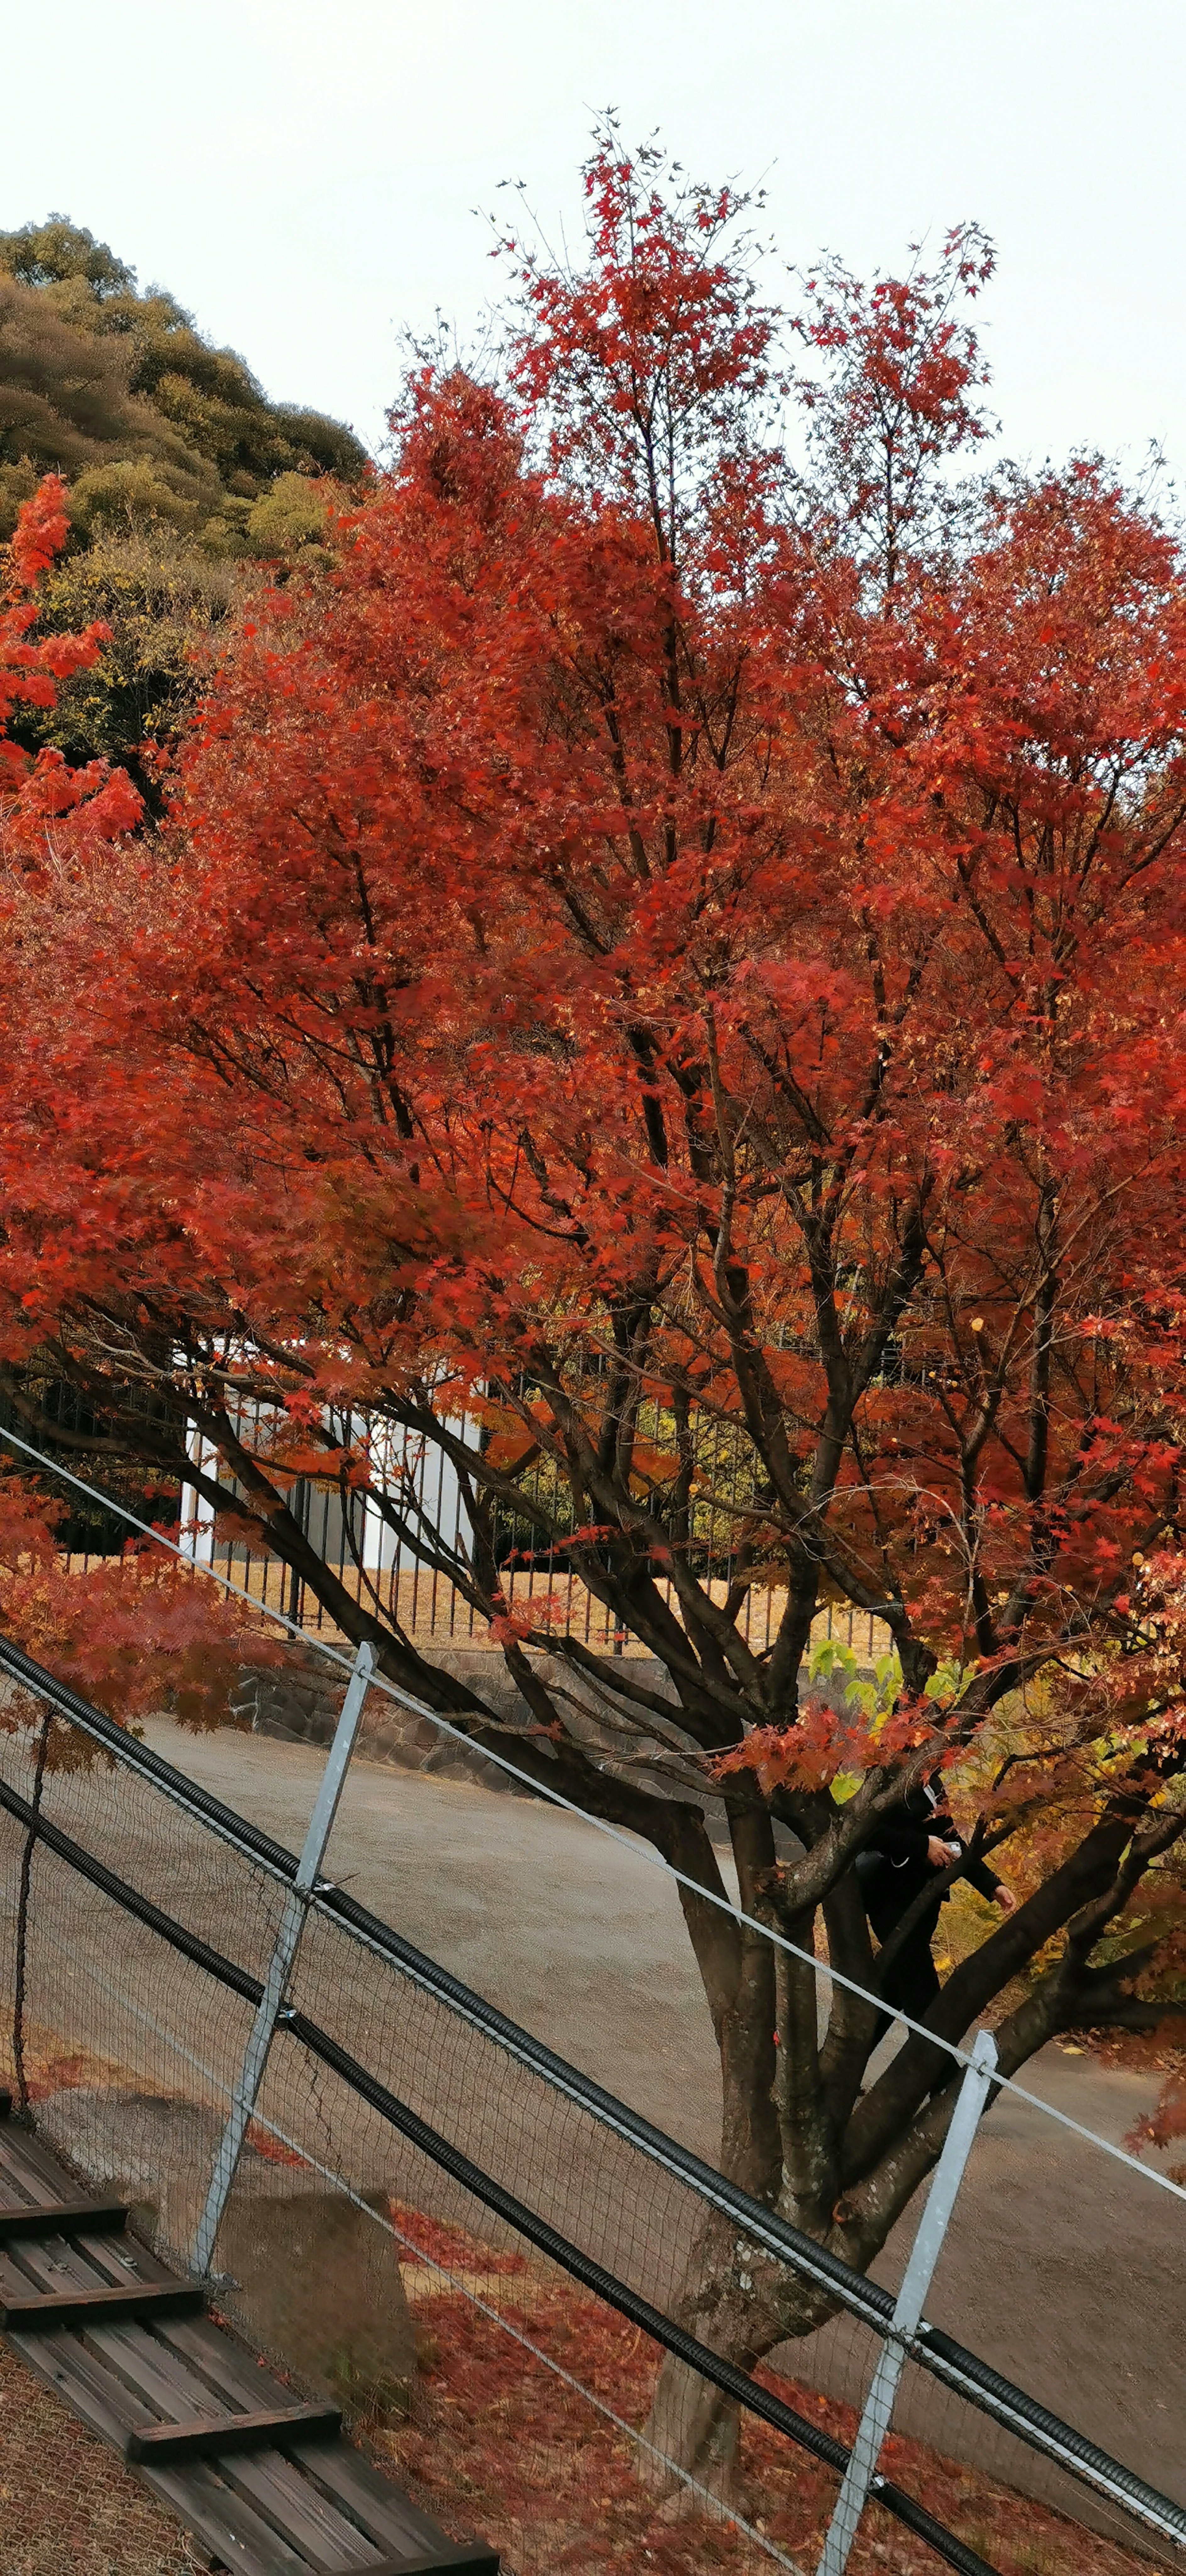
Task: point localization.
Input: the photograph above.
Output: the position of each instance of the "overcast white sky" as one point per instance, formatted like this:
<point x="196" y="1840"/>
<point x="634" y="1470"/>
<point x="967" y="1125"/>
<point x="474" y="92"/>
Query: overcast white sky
<point x="304" y="177"/>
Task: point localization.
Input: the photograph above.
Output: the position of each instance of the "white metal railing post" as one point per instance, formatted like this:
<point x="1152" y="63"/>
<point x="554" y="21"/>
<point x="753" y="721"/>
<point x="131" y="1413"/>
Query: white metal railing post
<point x="932" y="2228"/>
<point x="283" y="1959"/>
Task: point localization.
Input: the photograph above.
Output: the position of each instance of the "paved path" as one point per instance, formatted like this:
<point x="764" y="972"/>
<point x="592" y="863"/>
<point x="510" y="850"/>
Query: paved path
<point x="581" y="1938"/>
<point x="578" y="1937"/>
<point x="1063" y="2268"/>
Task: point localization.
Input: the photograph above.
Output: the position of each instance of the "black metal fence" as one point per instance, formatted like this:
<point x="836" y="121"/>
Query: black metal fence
<point x="377" y="1558"/>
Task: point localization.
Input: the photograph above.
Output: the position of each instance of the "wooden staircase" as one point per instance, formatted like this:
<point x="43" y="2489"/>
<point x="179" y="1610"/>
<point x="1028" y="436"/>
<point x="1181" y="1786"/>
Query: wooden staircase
<point x="269" y="2487"/>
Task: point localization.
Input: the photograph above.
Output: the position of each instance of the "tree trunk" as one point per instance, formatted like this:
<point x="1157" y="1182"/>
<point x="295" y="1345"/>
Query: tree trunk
<point x="741" y="2302"/>
<point x="737" y="2299"/>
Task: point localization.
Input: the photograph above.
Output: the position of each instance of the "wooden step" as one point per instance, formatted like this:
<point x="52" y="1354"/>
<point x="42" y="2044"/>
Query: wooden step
<point x="204" y="2436"/>
<point x="140" y="2300"/>
<point x="474" y="2556"/>
<point x="144" y="2365"/>
<point x="63" y="2218"/>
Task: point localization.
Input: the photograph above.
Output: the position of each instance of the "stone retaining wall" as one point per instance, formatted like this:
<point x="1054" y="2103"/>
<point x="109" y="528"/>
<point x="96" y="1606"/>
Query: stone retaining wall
<point x="300" y="1700"/>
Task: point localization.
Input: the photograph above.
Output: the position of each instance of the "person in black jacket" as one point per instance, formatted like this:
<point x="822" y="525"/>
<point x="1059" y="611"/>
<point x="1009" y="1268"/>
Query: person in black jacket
<point x="915" y="1839"/>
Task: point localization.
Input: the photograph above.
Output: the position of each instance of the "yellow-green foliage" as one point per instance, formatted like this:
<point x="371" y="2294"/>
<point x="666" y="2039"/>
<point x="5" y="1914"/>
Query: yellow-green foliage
<point x="291" y="516"/>
<point x="128" y="493"/>
<point x="163" y="599"/>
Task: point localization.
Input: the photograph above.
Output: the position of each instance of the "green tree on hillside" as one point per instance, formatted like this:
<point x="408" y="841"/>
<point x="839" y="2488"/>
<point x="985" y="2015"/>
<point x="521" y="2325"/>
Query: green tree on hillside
<point x="183" y="477"/>
<point x="197" y="406"/>
<point x="163" y="599"/>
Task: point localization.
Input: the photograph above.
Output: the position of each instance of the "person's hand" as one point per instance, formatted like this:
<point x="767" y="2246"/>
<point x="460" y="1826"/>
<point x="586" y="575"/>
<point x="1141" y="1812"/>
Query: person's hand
<point x="1006" y="1899"/>
<point x="941" y="1855"/>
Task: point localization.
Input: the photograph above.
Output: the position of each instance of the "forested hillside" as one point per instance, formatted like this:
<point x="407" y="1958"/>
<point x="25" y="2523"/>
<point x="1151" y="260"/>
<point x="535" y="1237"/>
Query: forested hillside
<point x="183" y="477"/>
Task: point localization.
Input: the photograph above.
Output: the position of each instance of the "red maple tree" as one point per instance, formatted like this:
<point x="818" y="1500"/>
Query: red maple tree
<point x="664" y="953"/>
<point x="143" y="1633"/>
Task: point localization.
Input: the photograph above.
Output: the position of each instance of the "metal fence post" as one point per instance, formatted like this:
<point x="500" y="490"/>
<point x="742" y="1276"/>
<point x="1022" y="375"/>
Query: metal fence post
<point x="932" y="2228"/>
<point x="283" y="1959"/>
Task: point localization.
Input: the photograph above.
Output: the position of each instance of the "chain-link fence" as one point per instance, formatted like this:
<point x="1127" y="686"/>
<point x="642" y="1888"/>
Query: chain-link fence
<point x="488" y="2259"/>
